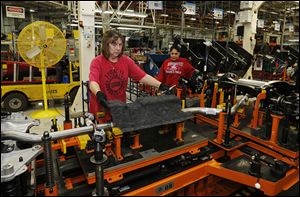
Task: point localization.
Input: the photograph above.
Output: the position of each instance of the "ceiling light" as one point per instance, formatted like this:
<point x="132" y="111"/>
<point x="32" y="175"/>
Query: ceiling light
<point x="188" y="26"/>
<point x="128" y="28"/>
<point x="31" y="10"/>
<point x="192" y="19"/>
<point x="140" y="15"/>
<point x="128" y="25"/>
<point x="127" y="13"/>
<point x="230" y="12"/>
<point x="164" y="15"/>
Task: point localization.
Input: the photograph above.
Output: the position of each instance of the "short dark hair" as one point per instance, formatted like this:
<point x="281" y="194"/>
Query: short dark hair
<point x="176" y="47"/>
<point x="111" y="36"/>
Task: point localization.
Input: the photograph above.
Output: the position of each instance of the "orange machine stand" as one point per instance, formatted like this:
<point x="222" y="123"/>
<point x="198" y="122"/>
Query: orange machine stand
<point x="117" y="133"/>
<point x="136" y="141"/>
<point x="54" y="191"/>
<point x="178" y="92"/>
<point x="254" y="119"/>
<point x="214" y="98"/>
<point x="219" y="138"/>
<point x="275" y="124"/>
<point x="179" y="130"/>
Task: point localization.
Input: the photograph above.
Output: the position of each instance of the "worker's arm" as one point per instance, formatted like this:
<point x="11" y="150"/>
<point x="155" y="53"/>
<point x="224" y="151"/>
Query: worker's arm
<point x="101" y="97"/>
<point x="94" y="87"/>
<point x="151" y="81"/>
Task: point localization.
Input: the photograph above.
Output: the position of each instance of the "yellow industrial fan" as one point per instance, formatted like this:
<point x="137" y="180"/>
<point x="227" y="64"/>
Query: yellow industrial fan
<point x="42" y="44"/>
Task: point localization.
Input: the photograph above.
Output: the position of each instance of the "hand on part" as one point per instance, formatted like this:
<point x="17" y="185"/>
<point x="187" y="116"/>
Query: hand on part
<point x="101" y="98"/>
<point x="165" y="89"/>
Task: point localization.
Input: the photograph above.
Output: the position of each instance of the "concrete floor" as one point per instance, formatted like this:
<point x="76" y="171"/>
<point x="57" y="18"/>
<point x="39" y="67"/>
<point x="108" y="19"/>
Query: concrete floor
<point x="45" y="123"/>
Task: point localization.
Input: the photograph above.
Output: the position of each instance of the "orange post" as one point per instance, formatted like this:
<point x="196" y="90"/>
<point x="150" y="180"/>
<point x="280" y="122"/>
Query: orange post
<point x="236" y="122"/>
<point x="284" y="74"/>
<point x="117" y="134"/>
<point x="179" y="130"/>
<point x="136" y="141"/>
<point x="178" y="92"/>
<point x="214" y="98"/>
<point x="68" y="125"/>
<point x="53" y="192"/>
<point x="202" y="95"/>
<point x="260" y="118"/>
<point x="221" y="96"/>
<point x="275" y="124"/>
<point x="254" y="119"/>
<point x="219" y="138"/>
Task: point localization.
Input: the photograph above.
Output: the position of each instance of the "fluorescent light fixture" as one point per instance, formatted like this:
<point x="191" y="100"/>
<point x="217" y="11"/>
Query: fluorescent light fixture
<point x="73" y="25"/>
<point x="140" y="15"/>
<point x="293" y="40"/>
<point x="127" y="13"/>
<point x="99" y="25"/>
<point x="128" y="28"/>
<point x="31" y="10"/>
<point x="217" y="22"/>
<point x="230" y="12"/>
<point x="164" y="15"/>
<point x="192" y="19"/>
<point x="76" y="25"/>
<point x="188" y="26"/>
<point x="128" y="25"/>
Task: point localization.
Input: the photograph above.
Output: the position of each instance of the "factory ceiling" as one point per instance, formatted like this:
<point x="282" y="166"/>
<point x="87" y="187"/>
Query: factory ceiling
<point x="58" y="11"/>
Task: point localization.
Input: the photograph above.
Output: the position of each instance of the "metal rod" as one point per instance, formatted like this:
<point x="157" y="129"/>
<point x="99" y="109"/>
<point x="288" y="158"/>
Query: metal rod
<point x="32" y="138"/>
<point x="239" y="104"/>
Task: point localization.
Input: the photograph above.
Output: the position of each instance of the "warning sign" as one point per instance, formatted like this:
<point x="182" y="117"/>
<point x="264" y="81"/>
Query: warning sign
<point x="15" y="12"/>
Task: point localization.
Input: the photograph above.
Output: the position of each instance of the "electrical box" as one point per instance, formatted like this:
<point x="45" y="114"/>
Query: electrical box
<point x="245" y="16"/>
<point x="73" y="50"/>
<point x="246" y="5"/>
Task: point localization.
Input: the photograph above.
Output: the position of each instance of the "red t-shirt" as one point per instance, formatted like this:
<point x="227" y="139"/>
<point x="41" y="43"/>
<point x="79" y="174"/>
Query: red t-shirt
<point x="171" y="71"/>
<point x="112" y="78"/>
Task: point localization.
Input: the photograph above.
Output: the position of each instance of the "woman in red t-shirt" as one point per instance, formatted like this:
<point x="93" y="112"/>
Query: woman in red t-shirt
<point x="109" y="73"/>
<point x="175" y="67"/>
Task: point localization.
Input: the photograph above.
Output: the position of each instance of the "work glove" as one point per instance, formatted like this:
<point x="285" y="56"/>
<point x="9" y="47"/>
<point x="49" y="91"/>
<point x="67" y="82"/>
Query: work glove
<point x="101" y="98"/>
<point x="165" y="89"/>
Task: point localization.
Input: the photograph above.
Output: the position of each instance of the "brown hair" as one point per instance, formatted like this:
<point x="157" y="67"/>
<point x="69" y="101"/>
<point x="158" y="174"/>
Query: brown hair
<point x="111" y="36"/>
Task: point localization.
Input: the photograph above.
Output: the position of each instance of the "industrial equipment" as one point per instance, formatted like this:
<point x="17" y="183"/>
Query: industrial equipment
<point x="215" y="149"/>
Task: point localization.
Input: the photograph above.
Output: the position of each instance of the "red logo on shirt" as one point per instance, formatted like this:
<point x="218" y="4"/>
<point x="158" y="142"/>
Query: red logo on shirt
<point x="115" y="84"/>
<point x="174" y="67"/>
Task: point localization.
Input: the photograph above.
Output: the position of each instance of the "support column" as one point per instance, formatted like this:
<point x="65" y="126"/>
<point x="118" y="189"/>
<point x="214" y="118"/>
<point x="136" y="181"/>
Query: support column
<point x="86" y="23"/>
<point x="248" y="19"/>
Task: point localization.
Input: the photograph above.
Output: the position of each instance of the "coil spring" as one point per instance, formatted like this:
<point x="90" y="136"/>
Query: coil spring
<point x="11" y="188"/>
<point x="48" y="160"/>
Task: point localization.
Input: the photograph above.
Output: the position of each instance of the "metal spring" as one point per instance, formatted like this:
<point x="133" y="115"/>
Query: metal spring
<point x="11" y="188"/>
<point x="48" y="161"/>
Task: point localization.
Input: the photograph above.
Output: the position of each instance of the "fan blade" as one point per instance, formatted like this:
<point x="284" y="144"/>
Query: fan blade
<point x="33" y="52"/>
<point x="42" y="31"/>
